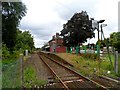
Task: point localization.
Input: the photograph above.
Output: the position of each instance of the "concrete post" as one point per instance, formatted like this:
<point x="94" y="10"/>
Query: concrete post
<point x="26" y="52"/>
<point x="116" y="62"/>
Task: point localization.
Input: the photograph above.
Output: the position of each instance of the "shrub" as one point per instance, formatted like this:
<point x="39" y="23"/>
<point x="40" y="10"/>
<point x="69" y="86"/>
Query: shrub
<point x="5" y="52"/>
<point x="90" y="56"/>
<point x="15" y="55"/>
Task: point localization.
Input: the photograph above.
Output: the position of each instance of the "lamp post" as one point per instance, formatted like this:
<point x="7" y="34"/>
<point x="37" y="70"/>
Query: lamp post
<point x="98" y="52"/>
<point x="100" y="21"/>
<point x="102" y="25"/>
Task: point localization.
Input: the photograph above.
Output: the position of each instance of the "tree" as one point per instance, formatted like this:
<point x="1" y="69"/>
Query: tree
<point x="12" y="13"/>
<point x="104" y="43"/>
<point x="115" y="40"/>
<point x="77" y="30"/>
<point x="24" y="41"/>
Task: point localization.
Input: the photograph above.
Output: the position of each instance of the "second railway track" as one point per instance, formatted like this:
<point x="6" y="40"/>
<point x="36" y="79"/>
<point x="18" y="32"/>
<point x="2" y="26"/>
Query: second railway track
<point x="64" y="77"/>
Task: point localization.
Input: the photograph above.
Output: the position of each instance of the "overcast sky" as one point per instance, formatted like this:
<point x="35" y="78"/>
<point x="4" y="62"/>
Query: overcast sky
<point x="46" y="17"/>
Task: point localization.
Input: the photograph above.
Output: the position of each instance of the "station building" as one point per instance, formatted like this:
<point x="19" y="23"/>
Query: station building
<point x="55" y="44"/>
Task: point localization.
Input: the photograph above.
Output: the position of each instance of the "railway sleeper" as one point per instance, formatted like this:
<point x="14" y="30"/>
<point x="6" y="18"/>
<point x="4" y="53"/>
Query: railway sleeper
<point x="68" y="75"/>
<point x="54" y="85"/>
<point x="69" y="78"/>
<point x="78" y="84"/>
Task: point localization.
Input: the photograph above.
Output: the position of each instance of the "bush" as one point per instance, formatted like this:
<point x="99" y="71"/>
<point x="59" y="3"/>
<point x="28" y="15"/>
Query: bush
<point x="5" y="52"/>
<point x="90" y="56"/>
<point x="115" y="40"/>
<point x="15" y="55"/>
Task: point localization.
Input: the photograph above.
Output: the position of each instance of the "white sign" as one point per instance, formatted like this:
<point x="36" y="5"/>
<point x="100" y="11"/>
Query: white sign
<point x="94" y="24"/>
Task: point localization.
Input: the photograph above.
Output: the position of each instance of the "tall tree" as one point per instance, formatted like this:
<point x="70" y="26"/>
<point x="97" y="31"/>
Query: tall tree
<point x="77" y="30"/>
<point x="12" y="13"/>
<point x="24" y="41"/>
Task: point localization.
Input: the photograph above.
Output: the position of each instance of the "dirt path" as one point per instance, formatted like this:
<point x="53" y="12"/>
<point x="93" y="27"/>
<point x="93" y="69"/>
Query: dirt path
<point x="41" y="71"/>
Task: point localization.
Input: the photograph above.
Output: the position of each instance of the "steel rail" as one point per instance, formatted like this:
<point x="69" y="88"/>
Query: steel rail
<point x="77" y="73"/>
<point x="54" y="73"/>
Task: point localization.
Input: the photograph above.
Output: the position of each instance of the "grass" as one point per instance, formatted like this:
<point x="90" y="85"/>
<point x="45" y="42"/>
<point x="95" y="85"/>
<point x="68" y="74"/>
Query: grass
<point x="11" y="74"/>
<point x="88" y="66"/>
<point x="11" y="71"/>
<point x="30" y="79"/>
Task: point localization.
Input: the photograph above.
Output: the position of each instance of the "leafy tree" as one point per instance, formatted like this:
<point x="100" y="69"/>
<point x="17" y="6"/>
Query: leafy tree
<point x="115" y="40"/>
<point x="77" y="30"/>
<point x="103" y="43"/>
<point x="24" y="41"/>
<point x="12" y="13"/>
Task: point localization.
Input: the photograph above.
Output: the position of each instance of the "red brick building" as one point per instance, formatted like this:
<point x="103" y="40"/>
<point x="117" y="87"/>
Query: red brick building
<point x="56" y="44"/>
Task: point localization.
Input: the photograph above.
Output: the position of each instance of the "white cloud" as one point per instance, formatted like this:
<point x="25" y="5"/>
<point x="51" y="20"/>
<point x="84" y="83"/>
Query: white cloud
<point x="46" y="17"/>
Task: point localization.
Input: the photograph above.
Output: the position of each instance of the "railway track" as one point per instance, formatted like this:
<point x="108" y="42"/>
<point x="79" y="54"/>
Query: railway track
<point x="65" y="77"/>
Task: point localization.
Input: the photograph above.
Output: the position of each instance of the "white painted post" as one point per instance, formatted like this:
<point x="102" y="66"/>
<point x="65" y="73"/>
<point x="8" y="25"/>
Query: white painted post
<point x="26" y="52"/>
<point x="116" y="62"/>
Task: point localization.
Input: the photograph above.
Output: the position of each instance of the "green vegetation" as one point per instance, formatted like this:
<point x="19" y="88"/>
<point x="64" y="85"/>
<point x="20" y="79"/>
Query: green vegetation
<point x="10" y="68"/>
<point x="14" y="41"/>
<point x="118" y="66"/>
<point x="12" y="13"/>
<point x="77" y="30"/>
<point x="11" y="77"/>
<point x="115" y="40"/>
<point x="30" y="79"/>
<point x="90" y="56"/>
<point x="24" y="41"/>
<point x="89" y="66"/>
<point x="5" y="52"/>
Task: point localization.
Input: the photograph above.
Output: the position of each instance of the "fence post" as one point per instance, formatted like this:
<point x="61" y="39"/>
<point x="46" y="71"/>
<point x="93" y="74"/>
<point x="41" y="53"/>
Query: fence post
<point x="116" y="62"/>
<point x="70" y="49"/>
<point x="84" y="49"/>
<point x="77" y="50"/>
<point x="98" y="50"/>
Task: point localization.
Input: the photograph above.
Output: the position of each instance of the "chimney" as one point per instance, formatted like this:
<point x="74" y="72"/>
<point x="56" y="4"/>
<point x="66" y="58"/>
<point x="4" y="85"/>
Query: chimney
<point x="53" y="37"/>
<point x="57" y="35"/>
